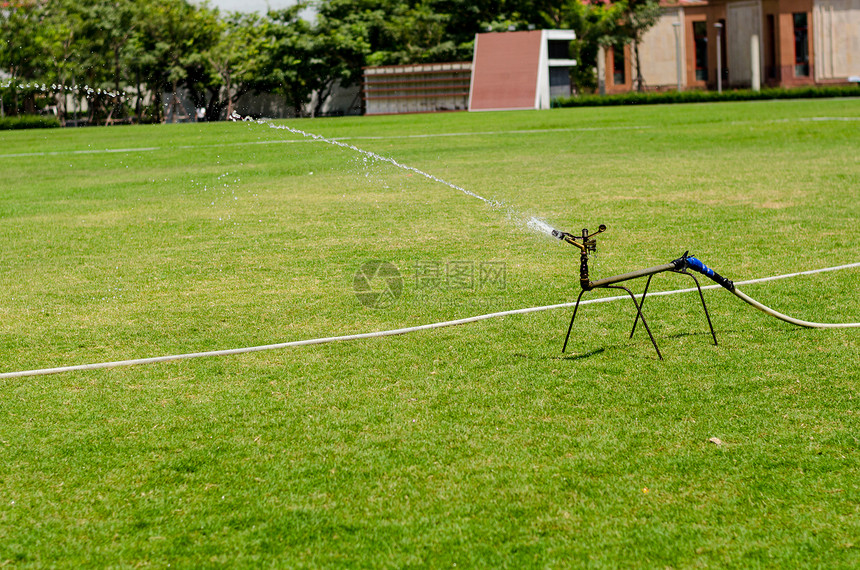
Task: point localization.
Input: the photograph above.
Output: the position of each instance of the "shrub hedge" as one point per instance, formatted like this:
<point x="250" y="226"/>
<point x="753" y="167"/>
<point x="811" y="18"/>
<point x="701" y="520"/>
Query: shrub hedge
<point x="28" y="122"/>
<point x="664" y="97"/>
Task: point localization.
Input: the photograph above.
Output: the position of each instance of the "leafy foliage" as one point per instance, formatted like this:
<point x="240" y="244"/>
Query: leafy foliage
<point x="132" y="56"/>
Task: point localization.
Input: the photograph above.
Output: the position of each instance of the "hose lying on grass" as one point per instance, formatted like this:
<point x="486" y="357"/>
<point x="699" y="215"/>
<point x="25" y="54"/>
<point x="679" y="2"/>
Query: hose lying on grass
<point x="696" y="265"/>
<point x="228" y="352"/>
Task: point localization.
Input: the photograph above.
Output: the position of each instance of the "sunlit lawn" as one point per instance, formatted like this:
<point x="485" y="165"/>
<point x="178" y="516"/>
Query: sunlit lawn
<point x="479" y="445"/>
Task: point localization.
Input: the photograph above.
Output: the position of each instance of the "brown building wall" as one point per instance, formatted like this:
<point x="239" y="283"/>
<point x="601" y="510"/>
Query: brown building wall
<point x="611" y="85"/>
<point x="505" y="70"/>
<point x="693" y="15"/>
<point x="710" y="14"/>
<point x="783" y="12"/>
<point x="776" y="40"/>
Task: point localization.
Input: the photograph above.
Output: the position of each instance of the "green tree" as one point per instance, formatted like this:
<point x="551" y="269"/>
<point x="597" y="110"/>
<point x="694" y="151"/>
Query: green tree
<point x="415" y="34"/>
<point x="595" y="24"/>
<point x="310" y="59"/>
<point x="289" y="70"/>
<point x="339" y="49"/>
<point x="236" y="61"/>
<point x="21" y="53"/>
<point x="636" y="17"/>
<point x="173" y="36"/>
<point x="62" y="42"/>
<point x="108" y="27"/>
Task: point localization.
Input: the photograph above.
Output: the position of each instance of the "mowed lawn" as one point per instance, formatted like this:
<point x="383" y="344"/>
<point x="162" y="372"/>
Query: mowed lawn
<point x="472" y="446"/>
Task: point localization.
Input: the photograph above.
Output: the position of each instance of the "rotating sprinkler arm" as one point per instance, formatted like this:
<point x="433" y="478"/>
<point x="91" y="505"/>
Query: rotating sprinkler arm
<point x="588" y="241"/>
<point x="587" y="244"/>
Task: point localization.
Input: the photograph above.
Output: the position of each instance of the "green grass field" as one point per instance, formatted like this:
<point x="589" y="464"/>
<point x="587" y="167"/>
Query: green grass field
<point x="473" y="446"/>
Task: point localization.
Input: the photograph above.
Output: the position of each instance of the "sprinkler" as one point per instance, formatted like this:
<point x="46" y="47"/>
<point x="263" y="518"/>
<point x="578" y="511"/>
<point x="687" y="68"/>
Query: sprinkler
<point x="587" y="244"/>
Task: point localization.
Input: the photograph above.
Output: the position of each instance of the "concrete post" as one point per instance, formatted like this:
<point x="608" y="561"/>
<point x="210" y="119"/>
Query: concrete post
<point x="719" y="27"/>
<point x="678" y="65"/>
<point x="601" y="70"/>
<point x="755" y="63"/>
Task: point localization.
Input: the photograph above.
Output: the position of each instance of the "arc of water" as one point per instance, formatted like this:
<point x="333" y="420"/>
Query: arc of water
<point x="534" y="224"/>
<point x="334" y="142"/>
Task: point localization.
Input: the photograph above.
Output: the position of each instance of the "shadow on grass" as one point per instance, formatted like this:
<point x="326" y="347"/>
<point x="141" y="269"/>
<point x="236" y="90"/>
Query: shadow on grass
<point x="580" y="356"/>
<point x="563" y="356"/>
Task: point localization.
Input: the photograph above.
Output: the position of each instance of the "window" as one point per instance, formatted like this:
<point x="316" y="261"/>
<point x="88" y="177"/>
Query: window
<point x="618" y="77"/>
<point x="801" y="45"/>
<point x="558" y="49"/>
<point x="770" y="47"/>
<point x="700" y="38"/>
<point x="559" y="82"/>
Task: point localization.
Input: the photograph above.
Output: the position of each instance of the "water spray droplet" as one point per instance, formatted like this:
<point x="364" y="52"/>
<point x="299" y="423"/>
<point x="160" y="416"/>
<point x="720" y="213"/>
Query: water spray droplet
<point x="538" y="225"/>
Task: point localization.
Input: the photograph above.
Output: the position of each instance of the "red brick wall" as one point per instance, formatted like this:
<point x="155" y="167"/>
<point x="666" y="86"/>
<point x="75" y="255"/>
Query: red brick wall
<point x="505" y="71"/>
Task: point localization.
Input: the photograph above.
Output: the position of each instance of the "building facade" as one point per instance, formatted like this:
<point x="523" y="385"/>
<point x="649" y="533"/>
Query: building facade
<point x="417" y="88"/>
<point x="509" y="70"/>
<point x="775" y="43"/>
<point x="520" y="70"/>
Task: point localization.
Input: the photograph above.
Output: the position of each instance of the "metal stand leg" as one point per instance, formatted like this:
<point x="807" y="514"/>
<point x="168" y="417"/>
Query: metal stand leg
<point x="701" y="296"/>
<point x="641" y="304"/>
<point x="575" y="307"/>
<point x="639" y="315"/>
<point x="705" y="307"/>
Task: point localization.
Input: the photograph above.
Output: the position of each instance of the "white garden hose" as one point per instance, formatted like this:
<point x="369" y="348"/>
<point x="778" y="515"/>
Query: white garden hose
<point x="765" y="309"/>
<point x="325" y="340"/>
<point x="689" y="262"/>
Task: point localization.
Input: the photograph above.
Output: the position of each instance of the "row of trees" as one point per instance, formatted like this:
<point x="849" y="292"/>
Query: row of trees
<point x="129" y="53"/>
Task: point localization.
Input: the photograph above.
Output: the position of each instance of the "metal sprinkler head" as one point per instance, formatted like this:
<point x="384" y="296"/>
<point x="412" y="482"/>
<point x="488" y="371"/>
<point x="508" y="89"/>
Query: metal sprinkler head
<point x="586" y="244"/>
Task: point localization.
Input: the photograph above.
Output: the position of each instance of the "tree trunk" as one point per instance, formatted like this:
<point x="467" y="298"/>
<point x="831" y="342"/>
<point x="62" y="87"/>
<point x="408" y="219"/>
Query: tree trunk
<point x="117" y="101"/>
<point x="171" y="110"/>
<point x="157" y="96"/>
<point x="138" y="107"/>
<point x="61" y="102"/>
<point x="322" y="96"/>
<point x="229" y="95"/>
<point x="640" y="81"/>
<point x="214" y="107"/>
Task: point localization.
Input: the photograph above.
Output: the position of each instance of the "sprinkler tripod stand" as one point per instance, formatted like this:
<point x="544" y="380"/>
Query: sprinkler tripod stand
<point x="587" y="244"/>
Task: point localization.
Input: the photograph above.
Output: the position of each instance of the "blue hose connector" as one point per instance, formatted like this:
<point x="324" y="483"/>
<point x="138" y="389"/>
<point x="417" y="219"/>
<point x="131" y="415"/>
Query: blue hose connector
<point x="697" y="265"/>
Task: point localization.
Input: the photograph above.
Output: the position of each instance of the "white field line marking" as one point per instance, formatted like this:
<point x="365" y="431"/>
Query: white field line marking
<point x="486" y="133"/>
<point x="807" y="119"/>
<point x="144" y="149"/>
<point x="228" y="352"/>
<point x="396" y="137"/>
<point x="799" y="120"/>
<point x="293" y="141"/>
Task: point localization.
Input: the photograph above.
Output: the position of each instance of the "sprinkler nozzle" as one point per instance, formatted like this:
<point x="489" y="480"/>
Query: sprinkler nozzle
<point x="586" y="243"/>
